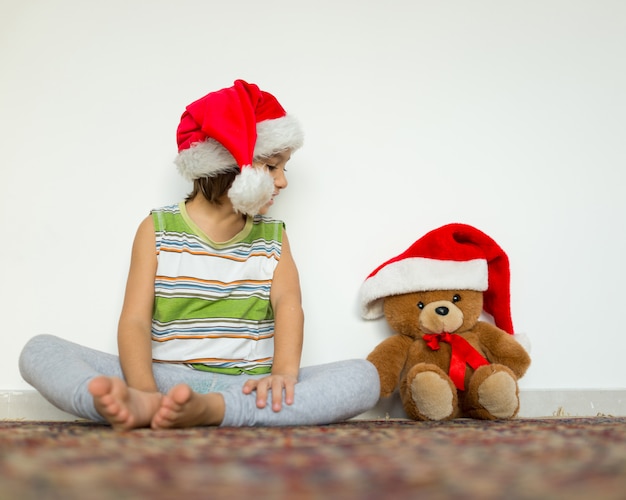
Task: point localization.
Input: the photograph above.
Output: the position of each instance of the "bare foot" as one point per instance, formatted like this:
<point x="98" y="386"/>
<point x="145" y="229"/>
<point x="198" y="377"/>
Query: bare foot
<point x="123" y="407"/>
<point x="182" y="407"/>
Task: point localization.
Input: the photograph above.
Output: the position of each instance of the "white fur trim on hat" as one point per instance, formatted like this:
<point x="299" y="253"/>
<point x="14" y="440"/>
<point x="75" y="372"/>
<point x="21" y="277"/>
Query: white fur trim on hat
<point x="420" y="274"/>
<point x="278" y="135"/>
<point x="251" y="190"/>
<point x="209" y="158"/>
<point x="204" y="159"/>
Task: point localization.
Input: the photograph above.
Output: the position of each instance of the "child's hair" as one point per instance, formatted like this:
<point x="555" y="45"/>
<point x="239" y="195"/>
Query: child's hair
<point x="214" y="187"/>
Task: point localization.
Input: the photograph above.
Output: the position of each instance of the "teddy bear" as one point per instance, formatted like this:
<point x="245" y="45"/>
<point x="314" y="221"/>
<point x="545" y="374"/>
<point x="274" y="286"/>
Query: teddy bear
<point x="446" y="359"/>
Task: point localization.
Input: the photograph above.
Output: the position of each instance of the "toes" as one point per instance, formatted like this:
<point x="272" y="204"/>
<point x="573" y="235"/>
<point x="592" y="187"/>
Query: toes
<point x="100" y="386"/>
<point x="180" y="394"/>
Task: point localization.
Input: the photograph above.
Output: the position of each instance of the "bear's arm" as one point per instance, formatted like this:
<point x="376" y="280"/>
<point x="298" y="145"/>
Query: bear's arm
<point x="389" y="358"/>
<point x="502" y="348"/>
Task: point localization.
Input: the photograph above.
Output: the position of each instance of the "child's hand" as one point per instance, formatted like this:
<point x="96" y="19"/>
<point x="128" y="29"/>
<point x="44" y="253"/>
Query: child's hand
<point x="276" y="383"/>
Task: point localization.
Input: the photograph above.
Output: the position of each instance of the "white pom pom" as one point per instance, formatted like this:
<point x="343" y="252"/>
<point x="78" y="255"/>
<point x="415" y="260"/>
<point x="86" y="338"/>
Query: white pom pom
<point x="251" y="190"/>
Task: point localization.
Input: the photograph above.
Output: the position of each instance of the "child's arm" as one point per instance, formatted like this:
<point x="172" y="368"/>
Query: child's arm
<point x="286" y="299"/>
<point x="134" y="328"/>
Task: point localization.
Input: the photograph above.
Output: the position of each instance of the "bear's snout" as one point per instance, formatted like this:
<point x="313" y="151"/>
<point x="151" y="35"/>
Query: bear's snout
<point x="442" y="311"/>
<point x="440" y="316"/>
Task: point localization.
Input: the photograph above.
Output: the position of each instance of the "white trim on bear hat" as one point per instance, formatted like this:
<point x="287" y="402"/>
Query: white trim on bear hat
<point x="452" y="257"/>
<point x="419" y="274"/>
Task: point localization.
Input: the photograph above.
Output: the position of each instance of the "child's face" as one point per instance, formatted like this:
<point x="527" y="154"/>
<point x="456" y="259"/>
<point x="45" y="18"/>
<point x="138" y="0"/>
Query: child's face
<point x="275" y="165"/>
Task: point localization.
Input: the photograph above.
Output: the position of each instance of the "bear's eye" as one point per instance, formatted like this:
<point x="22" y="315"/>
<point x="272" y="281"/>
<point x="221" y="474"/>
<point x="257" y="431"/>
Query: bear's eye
<point x="456" y="298"/>
<point x="420" y="305"/>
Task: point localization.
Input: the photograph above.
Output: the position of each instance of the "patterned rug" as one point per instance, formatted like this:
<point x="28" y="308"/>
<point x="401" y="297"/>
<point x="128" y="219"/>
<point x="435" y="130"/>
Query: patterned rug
<point x="573" y="458"/>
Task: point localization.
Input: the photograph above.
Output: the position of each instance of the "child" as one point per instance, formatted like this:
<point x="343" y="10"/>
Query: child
<point x="212" y="325"/>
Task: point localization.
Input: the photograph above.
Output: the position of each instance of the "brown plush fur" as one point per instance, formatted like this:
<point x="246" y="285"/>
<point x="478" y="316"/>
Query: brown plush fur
<point x="404" y="360"/>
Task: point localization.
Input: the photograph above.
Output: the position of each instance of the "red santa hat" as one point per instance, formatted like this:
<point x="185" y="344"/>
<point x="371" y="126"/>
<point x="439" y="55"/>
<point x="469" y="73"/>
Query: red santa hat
<point x="452" y="257"/>
<point x="229" y="128"/>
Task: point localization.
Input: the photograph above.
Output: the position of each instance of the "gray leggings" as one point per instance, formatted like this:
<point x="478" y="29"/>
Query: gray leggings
<point x="61" y="370"/>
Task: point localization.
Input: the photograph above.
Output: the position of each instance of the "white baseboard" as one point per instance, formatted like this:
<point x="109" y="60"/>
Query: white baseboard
<point x="29" y="405"/>
<point x="538" y="403"/>
<point x="572" y="403"/>
<point x="534" y="403"/>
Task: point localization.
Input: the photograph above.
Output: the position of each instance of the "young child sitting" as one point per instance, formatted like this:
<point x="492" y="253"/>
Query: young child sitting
<point x="211" y="329"/>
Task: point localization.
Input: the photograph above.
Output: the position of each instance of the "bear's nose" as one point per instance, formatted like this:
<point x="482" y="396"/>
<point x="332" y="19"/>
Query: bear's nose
<point x="442" y="310"/>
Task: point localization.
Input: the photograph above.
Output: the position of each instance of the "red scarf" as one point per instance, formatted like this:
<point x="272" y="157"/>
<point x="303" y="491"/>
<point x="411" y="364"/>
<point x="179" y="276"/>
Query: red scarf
<point x="462" y="353"/>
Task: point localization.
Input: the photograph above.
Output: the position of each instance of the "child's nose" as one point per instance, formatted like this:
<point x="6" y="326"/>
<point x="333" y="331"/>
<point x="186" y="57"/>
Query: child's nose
<point x="280" y="180"/>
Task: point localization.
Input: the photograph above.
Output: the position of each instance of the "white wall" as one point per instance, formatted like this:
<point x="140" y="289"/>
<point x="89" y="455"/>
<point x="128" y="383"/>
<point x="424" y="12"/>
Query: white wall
<point x="506" y="115"/>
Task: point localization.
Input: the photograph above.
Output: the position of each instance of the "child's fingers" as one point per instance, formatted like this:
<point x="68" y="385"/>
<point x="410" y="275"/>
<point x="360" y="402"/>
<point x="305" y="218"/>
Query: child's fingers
<point x="249" y="386"/>
<point x="261" y="391"/>
<point x="279" y="387"/>
<point x="290" y="390"/>
<point x="277" y="394"/>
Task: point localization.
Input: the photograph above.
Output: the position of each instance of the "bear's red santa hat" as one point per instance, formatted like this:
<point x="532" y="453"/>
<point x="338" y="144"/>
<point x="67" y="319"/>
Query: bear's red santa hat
<point x="452" y="257"/>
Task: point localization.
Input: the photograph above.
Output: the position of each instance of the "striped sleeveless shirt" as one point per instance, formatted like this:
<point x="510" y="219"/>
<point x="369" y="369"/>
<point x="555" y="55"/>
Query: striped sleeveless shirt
<point x="211" y="308"/>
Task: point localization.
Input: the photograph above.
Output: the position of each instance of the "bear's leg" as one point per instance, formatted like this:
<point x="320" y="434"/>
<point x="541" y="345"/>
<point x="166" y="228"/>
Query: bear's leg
<point x="492" y="393"/>
<point x="428" y="394"/>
